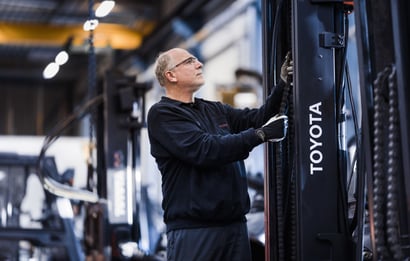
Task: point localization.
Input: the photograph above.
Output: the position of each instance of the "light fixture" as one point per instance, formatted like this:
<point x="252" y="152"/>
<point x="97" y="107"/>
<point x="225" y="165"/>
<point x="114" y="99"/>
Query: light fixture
<point x="90" y="25"/>
<point x="51" y="70"/>
<point x="62" y="57"/>
<point x="104" y="8"/>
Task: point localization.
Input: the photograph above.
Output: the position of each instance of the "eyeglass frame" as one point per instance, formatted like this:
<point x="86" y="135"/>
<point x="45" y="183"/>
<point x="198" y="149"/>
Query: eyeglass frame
<point x="189" y="60"/>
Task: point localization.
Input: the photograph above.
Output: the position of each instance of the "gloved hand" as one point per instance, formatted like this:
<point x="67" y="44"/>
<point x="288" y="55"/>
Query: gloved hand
<point x="287" y="68"/>
<point x="274" y="129"/>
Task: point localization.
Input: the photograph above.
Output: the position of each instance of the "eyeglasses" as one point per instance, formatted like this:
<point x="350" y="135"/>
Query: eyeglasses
<point x="187" y="61"/>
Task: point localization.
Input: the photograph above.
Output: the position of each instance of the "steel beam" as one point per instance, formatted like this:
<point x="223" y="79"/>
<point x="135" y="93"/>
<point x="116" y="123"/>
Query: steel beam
<point x="319" y="210"/>
<point x="105" y="35"/>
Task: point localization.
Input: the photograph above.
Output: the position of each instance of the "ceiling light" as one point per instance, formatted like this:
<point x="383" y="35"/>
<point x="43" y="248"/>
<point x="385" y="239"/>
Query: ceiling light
<point x="104" y="8"/>
<point x="51" y="70"/>
<point x="90" y="25"/>
<point x="61" y="58"/>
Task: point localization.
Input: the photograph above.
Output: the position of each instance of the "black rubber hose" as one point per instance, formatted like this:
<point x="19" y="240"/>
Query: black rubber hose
<point x="61" y="127"/>
<point x="280" y="167"/>
<point x="291" y="202"/>
<point x="278" y="147"/>
<point x="357" y="139"/>
<point x="343" y="223"/>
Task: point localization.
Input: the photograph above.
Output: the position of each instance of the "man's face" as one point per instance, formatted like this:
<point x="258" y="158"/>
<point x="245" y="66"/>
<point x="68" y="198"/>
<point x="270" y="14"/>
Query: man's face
<point x="187" y="69"/>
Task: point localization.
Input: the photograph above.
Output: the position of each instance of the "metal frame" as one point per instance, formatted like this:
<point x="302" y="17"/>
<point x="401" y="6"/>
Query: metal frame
<point x="319" y="231"/>
<point x="319" y="215"/>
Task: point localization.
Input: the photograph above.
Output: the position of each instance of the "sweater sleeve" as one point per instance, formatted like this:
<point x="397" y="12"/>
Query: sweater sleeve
<point x="173" y="133"/>
<point x="241" y="119"/>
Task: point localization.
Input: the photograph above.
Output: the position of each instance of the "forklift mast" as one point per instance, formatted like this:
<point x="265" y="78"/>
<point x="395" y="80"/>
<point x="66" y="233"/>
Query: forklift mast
<point x="326" y="183"/>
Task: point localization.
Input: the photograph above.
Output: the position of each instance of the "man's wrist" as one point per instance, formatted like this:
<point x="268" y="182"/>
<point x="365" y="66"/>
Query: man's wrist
<point x="261" y="134"/>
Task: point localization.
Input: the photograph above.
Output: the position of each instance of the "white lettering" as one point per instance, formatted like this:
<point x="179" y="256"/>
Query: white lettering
<point x="315" y="133"/>
<point x="315" y="144"/>
<point x="317" y="159"/>
<point x="313" y="169"/>
<point x="316" y="108"/>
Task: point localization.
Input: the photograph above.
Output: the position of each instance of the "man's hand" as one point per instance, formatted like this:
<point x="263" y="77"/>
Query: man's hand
<point x="274" y="129"/>
<point x="287" y="68"/>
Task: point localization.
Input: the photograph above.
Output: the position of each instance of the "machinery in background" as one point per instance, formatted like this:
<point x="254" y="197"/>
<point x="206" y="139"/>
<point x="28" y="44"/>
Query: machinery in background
<point x="255" y="217"/>
<point x="24" y="236"/>
<point x="120" y="221"/>
<point x="131" y="224"/>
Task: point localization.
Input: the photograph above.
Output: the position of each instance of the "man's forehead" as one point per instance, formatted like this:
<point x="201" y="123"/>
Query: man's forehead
<point x="178" y="52"/>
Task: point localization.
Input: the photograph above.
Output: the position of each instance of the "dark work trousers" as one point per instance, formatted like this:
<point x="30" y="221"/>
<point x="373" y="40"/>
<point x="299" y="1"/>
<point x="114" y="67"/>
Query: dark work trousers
<point x="223" y="243"/>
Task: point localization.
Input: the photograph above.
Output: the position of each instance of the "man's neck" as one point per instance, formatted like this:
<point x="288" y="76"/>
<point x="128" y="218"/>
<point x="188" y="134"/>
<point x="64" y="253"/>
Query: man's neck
<point x="182" y="97"/>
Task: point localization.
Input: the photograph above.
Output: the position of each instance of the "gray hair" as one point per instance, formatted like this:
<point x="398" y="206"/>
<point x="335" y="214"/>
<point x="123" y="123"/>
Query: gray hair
<point x="162" y="65"/>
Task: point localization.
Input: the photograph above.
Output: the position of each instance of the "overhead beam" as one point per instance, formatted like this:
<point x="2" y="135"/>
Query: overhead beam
<point x="105" y="35"/>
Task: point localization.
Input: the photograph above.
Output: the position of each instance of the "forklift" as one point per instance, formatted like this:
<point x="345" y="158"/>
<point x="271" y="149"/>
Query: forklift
<point x="337" y="187"/>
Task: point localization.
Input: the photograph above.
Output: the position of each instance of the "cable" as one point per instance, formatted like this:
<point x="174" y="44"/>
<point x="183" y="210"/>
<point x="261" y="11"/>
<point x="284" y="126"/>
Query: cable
<point x="278" y="148"/>
<point x="54" y="134"/>
<point x="340" y="87"/>
<point x="280" y="166"/>
<point x="357" y="138"/>
<point x="92" y="68"/>
<point x="343" y="63"/>
<point x="290" y="201"/>
<point x="275" y="34"/>
<point x="353" y="108"/>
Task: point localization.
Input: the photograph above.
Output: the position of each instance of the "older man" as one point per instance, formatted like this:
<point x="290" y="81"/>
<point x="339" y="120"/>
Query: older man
<point x="199" y="146"/>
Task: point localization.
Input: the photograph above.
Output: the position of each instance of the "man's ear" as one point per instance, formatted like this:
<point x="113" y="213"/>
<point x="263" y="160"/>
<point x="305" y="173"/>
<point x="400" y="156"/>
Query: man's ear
<point x="170" y="76"/>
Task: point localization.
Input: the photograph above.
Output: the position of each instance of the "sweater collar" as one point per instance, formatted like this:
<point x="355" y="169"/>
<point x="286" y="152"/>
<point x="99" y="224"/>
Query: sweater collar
<point x="176" y="102"/>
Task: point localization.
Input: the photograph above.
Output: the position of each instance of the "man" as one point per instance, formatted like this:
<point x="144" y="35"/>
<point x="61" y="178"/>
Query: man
<point x="199" y="147"/>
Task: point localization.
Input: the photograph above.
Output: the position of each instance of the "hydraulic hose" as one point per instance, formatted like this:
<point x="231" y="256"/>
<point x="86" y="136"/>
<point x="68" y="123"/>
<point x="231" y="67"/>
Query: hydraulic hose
<point x="279" y="166"/>
<point x="280" y="170"/>
<point x="290" y="201"/>
<point x="340" y="90"/>
<point x="51" y="185"/>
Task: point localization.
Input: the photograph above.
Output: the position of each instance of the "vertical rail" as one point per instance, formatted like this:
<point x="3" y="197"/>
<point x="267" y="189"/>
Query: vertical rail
<point x="316" y="36"/>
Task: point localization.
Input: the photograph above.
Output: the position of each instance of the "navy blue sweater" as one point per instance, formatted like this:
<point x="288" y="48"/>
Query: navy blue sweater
<point x="199" y="148"/>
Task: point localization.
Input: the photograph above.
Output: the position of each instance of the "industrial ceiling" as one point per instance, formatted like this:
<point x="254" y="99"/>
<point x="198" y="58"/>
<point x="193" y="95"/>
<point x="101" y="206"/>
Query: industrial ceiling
<point x="32" y="32"/>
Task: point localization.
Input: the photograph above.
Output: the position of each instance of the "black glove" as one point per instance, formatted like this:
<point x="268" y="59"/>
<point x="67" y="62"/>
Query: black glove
<point x="287" y="68"/>
<point x="274" y="129"/>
